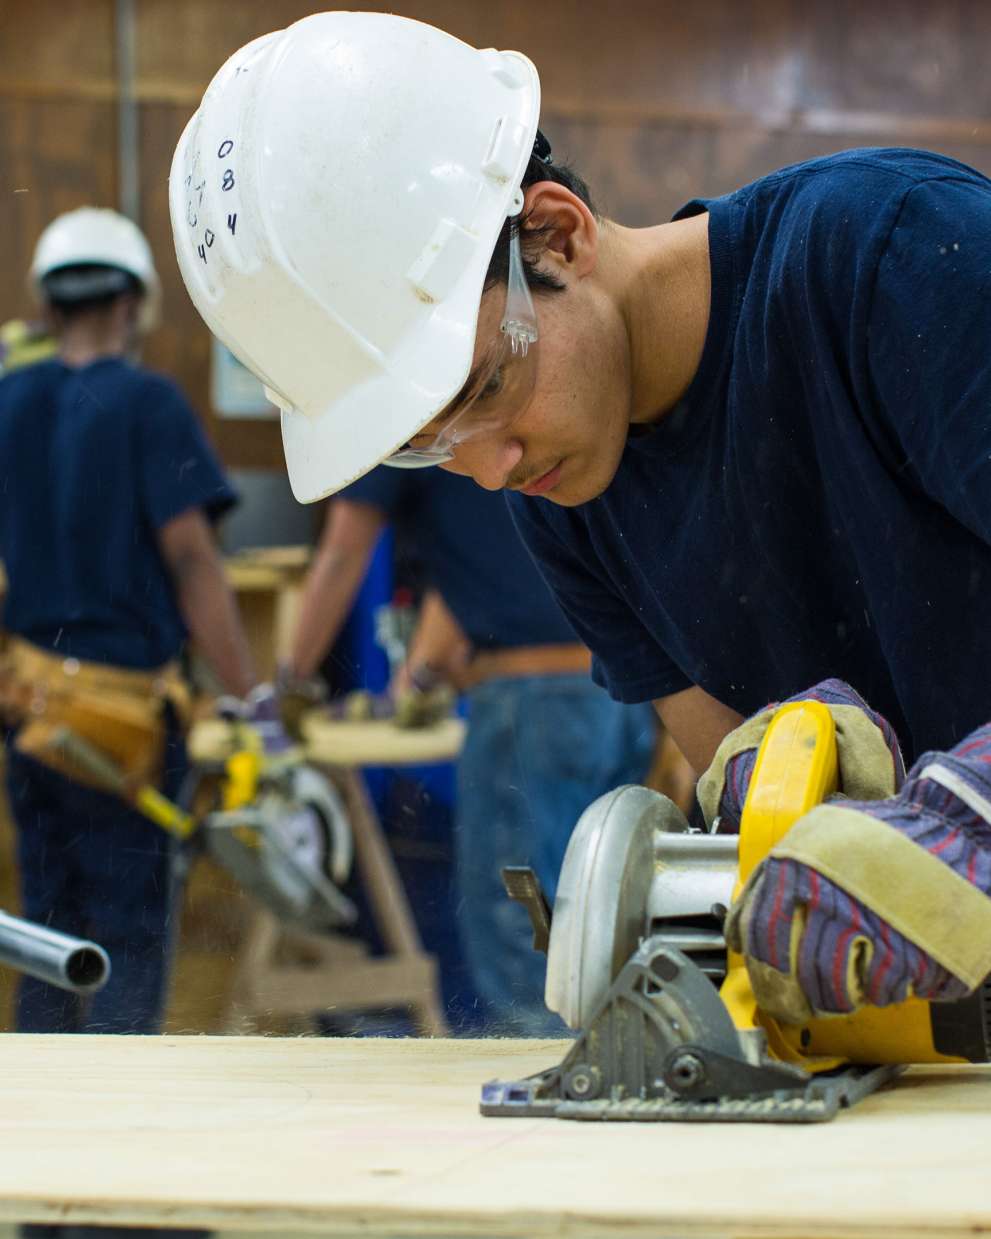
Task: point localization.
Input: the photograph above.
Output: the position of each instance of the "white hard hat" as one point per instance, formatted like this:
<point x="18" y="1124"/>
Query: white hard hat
<point x="335" y="202"/>
<point x="98" y="236"/>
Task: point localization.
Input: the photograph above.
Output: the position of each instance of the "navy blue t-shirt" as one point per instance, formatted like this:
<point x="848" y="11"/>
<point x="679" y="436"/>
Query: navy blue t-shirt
<point x="819" y="503"/>
<point x="93" y="462"/>
<point x="472" y="553"/>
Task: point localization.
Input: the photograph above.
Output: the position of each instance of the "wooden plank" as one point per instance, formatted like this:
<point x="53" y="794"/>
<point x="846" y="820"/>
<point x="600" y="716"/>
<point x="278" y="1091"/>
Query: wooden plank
<point x="333" y="743"/>
<point x="383" y="1138"/>
<point x="380" y="742"/>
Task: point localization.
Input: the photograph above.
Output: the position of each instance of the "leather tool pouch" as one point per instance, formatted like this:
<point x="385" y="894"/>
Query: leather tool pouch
<point x="118" y="711"/>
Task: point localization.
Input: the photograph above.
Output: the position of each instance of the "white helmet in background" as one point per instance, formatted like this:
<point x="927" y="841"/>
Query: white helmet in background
<point x="98" y="237"/>
<point x="335" y="201"/>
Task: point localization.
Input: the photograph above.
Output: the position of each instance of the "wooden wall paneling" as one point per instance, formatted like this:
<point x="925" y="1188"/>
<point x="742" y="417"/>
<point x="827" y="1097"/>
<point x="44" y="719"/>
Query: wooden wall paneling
<point x="638" y="174"/>
<point x="641" y="174"/>
<point x="902" y="58"/>
<point x="657" y="57"/>
<point x="57" y="125"/>
<point x="57" y="48"/>
<point x="766" y="59"/>
<point x="54" y="156"/>
<point x="637" y="54"/>
<point x="182" y="43"/>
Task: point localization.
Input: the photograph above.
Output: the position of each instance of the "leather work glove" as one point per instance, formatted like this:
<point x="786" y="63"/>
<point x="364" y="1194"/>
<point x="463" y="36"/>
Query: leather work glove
<point x="872" y="902"/>
<point x="422" y="696"/>
<point x="870" y="759"/>
<point x="297" y="695"/>
<point x="261" y="711"/>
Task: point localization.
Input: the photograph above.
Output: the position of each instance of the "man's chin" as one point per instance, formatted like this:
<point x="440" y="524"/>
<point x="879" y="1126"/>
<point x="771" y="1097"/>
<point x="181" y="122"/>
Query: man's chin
<point x="578" y="484"/>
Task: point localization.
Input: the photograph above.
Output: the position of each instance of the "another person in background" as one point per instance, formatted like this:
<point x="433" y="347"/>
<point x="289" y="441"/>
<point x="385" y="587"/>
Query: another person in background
<point x="108" y="490"/>
<point x="543" y="740"/>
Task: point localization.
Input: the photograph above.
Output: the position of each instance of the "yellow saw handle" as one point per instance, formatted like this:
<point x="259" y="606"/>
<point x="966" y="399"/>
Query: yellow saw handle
<point x="796" y="769"/>
<point x="101" y="767"/>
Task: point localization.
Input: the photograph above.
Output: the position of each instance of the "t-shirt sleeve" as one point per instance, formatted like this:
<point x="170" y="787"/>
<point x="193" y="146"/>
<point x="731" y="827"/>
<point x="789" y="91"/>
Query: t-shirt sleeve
<point x="179" y="470"/>
<point x="383" y="488"/>
<point x="626" y="659"/>
<point x="929" y="331"/>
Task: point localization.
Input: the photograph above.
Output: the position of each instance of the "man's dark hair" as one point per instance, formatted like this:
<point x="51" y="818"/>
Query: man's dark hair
<point x="540" y="168"/>
<point x="84" y="287"/>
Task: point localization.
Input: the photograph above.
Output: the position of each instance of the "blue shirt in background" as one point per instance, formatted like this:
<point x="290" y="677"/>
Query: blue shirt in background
<point x="93" y="462"/>
<point x="819" y="503"/>
<point x="472" y="553"/>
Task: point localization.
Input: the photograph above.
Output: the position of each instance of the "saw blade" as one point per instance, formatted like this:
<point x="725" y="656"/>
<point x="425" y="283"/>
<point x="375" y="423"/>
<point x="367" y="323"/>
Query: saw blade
<point x="600" y="908"/>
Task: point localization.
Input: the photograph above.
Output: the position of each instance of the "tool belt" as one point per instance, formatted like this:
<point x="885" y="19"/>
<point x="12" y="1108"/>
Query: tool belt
<point x="526" y="660"/>
<point x="117" y="710"/>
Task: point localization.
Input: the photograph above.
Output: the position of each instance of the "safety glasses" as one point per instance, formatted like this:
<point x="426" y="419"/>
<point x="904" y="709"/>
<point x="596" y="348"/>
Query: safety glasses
<point x="499" y="388"/>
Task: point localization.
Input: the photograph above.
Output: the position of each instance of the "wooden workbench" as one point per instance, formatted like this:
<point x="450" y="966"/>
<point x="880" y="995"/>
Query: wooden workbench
<point x="383" y="1138"/>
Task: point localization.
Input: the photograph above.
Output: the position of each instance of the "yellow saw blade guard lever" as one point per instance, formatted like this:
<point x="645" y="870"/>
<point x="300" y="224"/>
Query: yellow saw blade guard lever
<point x="797" y="768"/>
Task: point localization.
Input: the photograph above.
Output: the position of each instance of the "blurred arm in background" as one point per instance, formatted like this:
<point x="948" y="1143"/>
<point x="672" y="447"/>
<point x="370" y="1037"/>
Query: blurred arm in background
<point x="205" y="599"/>
<point x="349" y="535"/>
<point x="438" y="647"/>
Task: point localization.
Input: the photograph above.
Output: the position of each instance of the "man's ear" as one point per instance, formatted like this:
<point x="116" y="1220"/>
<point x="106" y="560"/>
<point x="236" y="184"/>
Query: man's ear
<point x="567" y="229"/>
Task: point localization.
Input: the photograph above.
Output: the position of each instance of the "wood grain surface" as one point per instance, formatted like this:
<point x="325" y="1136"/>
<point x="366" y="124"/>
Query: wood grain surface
<point x="383" y="1138"/>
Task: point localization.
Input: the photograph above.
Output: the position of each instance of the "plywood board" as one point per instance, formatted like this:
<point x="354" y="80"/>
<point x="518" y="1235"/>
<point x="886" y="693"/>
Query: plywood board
<point x="380" y="742"/>
<point x="383" y="1138"/>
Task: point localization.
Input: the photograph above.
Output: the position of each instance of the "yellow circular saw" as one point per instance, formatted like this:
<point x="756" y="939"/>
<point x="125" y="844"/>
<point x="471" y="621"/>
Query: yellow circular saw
<point x="668" y="1025"/>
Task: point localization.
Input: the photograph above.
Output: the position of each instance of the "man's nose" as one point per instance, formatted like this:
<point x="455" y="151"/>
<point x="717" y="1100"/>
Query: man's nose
<point x="488" y="462"/>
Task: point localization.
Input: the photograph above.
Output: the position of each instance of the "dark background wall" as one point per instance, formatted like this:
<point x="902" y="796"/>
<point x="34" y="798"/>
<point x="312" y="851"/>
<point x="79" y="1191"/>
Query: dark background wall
<point x="655" y="101"/>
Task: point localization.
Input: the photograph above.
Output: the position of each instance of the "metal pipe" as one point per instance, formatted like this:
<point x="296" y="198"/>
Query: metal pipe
<point x="128" y="154"/>
<point x="70" y="963"/>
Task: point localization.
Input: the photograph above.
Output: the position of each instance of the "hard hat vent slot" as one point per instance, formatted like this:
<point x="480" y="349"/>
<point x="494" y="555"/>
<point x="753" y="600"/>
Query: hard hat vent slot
<point x="502" y="157"/>
<point x="504" y="70"/>
<point x="442" y="261"/>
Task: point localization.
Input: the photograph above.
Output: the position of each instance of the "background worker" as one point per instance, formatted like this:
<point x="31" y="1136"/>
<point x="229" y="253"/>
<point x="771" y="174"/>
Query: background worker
<point x="108" y="491"/>
<point x="751" y="445"/>
<point x="542" y="741"/>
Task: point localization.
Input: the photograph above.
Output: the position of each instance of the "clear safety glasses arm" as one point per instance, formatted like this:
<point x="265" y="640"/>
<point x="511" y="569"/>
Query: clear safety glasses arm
<point x="499" y="387"/>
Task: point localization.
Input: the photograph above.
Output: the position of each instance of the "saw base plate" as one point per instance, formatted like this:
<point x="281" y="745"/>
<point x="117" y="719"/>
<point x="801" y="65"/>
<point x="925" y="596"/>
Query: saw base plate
<point x="821" y="1100"/>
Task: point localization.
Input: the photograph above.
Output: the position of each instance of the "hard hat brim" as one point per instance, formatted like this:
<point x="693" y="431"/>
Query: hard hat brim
<point x="322" y="458"/>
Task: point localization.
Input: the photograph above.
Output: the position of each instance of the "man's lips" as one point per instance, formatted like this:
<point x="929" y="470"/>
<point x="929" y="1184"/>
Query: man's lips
<point x="547" y="481"/>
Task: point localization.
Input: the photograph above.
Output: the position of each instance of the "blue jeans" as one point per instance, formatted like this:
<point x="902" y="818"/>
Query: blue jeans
<point x="93" y="866"/>
<point x="539" y="750"/>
